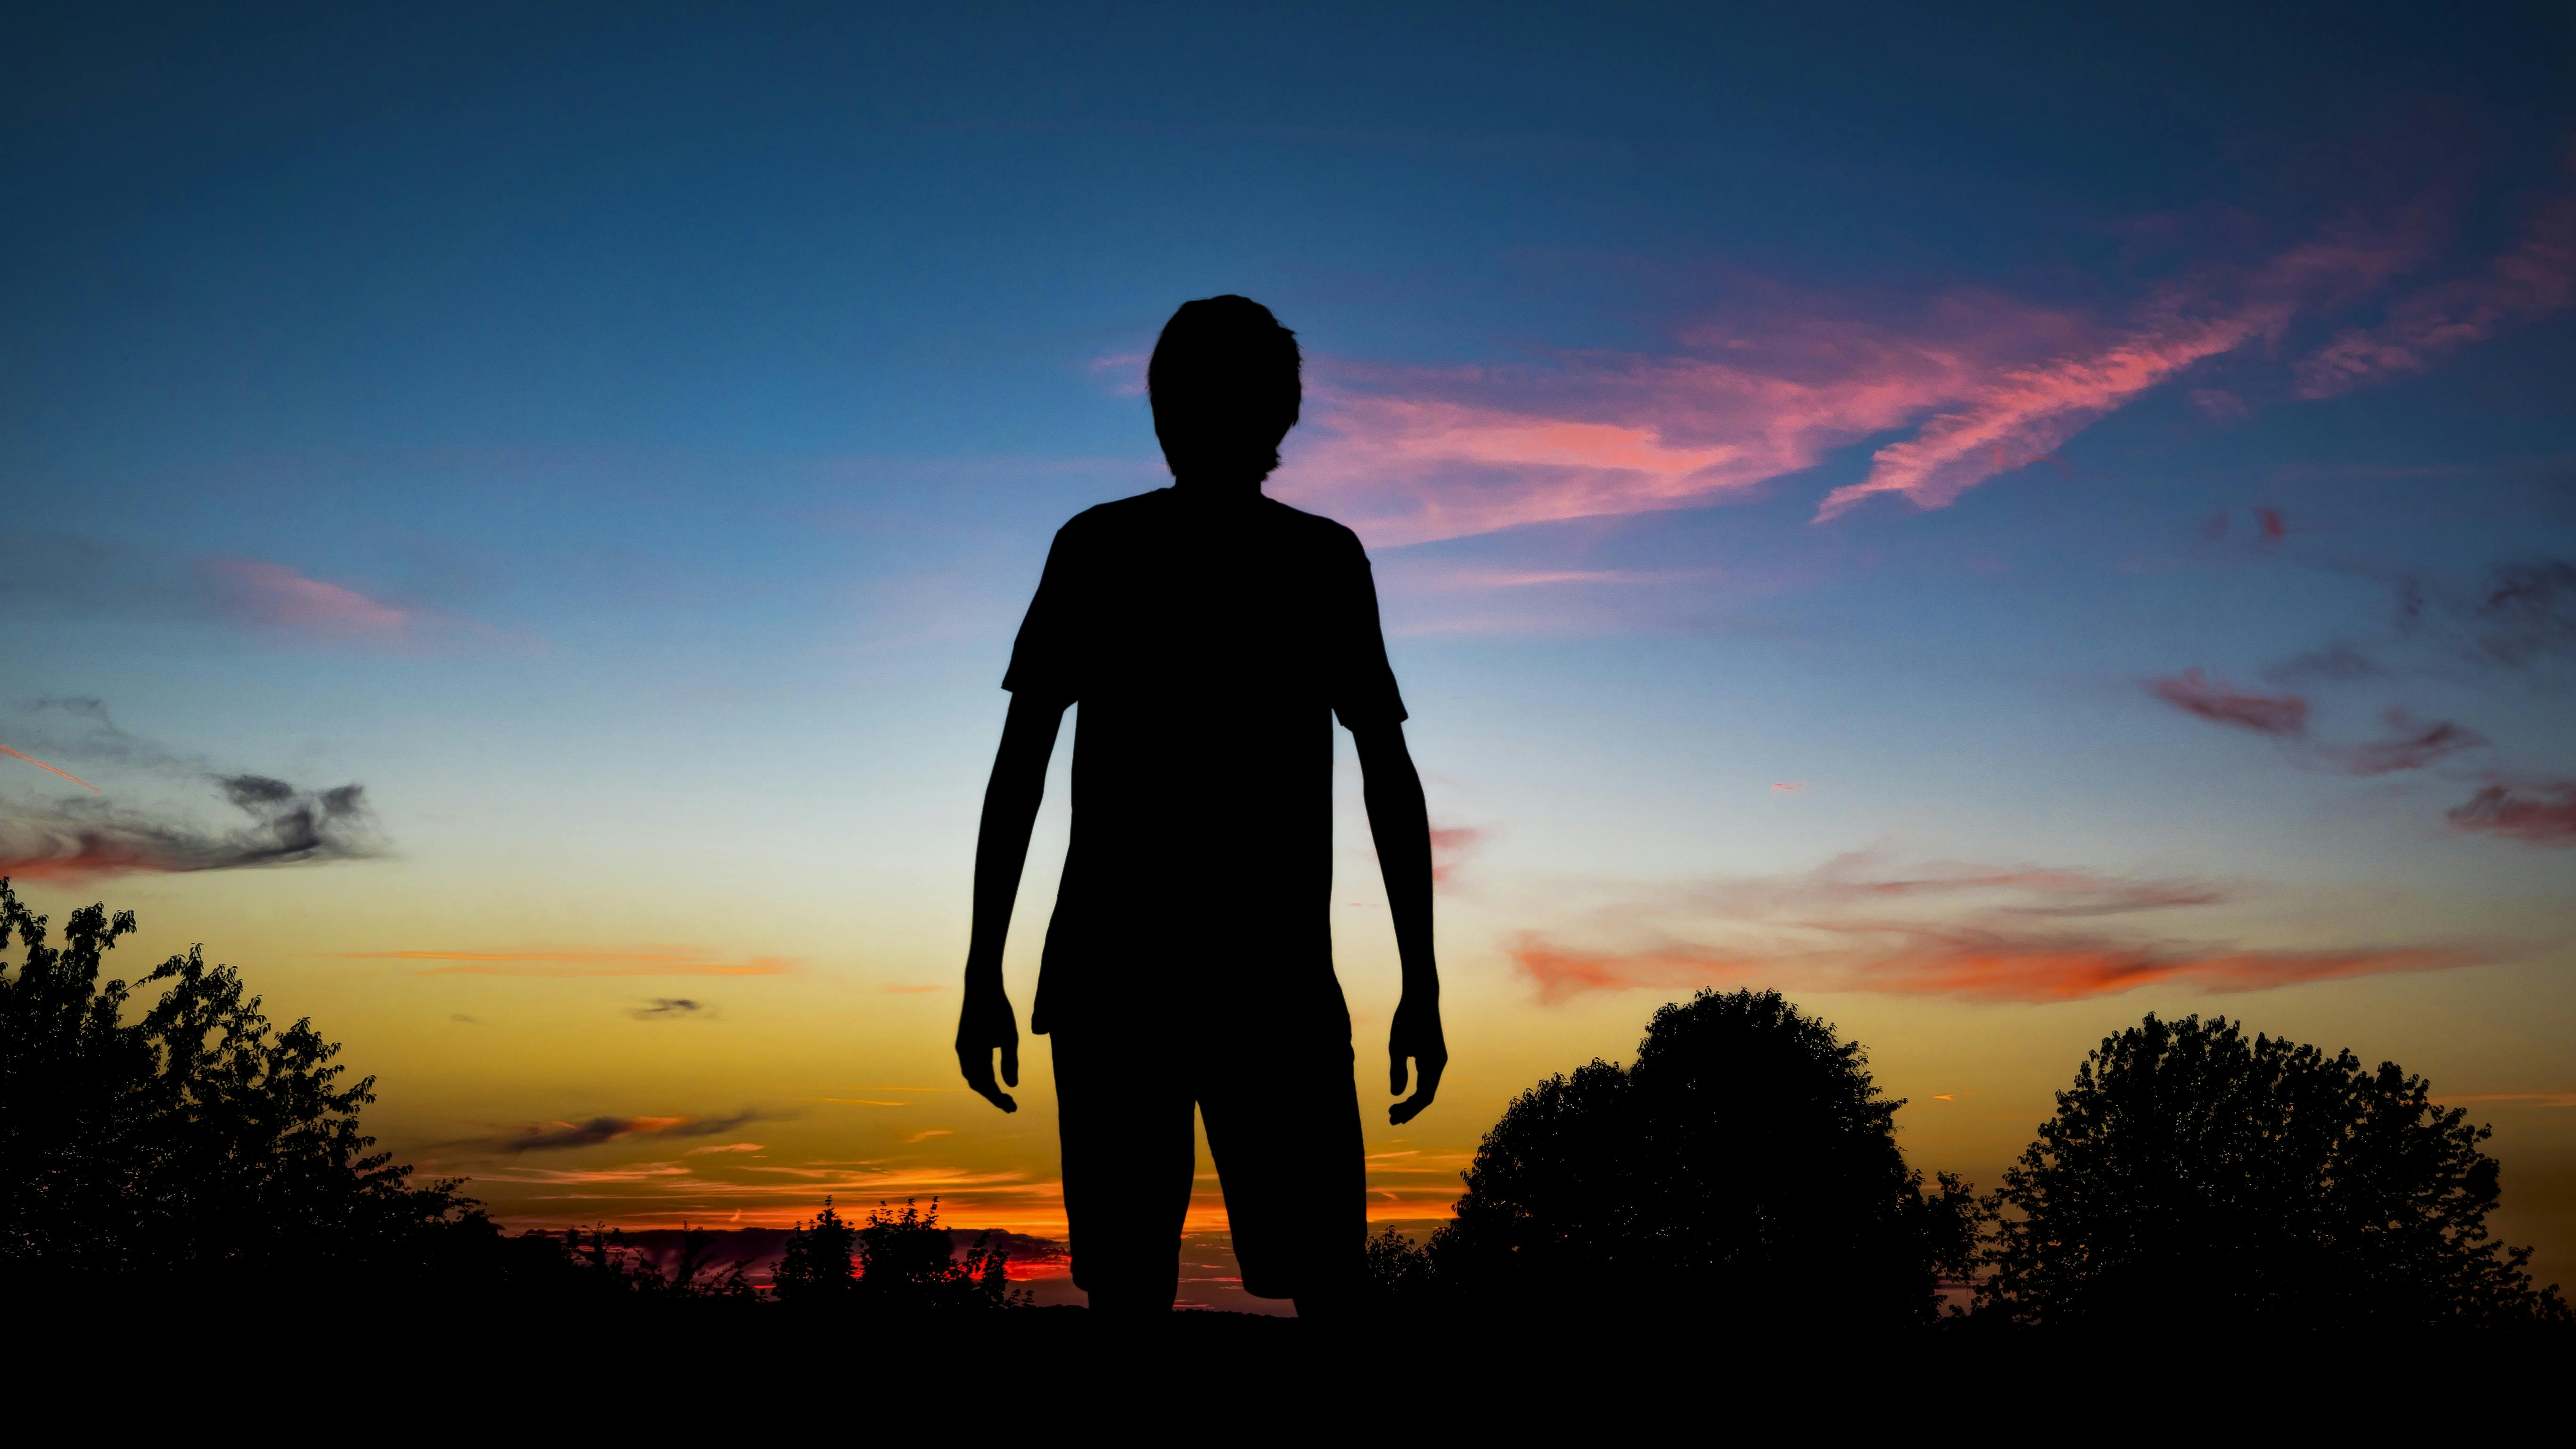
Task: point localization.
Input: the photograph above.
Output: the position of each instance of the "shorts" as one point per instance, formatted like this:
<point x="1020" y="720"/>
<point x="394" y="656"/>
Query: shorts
<point x="1283" y="1122"/>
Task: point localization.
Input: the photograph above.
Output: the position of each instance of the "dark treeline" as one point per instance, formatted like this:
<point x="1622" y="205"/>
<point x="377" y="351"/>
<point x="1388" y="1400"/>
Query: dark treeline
<point x="1743" y="1170"/>
<point x="2191" y="1178"/>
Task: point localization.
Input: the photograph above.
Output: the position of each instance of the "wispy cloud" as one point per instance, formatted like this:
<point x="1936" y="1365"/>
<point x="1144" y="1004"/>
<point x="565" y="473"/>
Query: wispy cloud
<point x="2540" y="815"/>
<point x="1970" y="931"/>
<point x="1451" y="845"/>
<point x="563" y="1136"/>
<point x="273" y="596"/>
<point x="1973" y="964"/>
<point x="1408" y="455"/>
<point x="540" y="961"/>
<point x="2279" y="715"/>
<point x="1981" y="385"/>
<point x="2527" y="613"/>
<point x="671" y="1008"/>
<point x="60" y="577"/>
<point x="1863" y="877"/>
<point x="2527" y="1099"/>
<point x="2531" y="280"/>
<point x="2410" y="744"/>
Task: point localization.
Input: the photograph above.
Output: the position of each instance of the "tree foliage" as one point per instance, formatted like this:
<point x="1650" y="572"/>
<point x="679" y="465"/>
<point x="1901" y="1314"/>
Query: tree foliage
<point x="194" y="1140"/>
<point x="817" y="1262"/>
<point x="2193" y="1176"/>
<point x="895" y="1263"/>
<point x="1745" y="1162"/>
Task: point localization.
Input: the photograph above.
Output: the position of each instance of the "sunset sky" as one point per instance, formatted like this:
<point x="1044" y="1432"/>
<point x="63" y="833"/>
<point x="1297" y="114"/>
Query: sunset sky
<point x="1992" y="524"/>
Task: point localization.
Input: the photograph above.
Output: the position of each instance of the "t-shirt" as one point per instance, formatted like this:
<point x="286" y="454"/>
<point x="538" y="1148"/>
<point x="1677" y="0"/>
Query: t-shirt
<point x="1208" y="642"/>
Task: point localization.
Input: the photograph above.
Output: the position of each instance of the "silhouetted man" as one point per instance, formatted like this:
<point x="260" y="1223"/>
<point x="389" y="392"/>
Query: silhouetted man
<point x="1210" y="635"/>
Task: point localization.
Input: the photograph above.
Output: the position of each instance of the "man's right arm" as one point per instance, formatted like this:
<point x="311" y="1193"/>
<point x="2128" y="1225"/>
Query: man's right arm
<point x="985" y="1022"/>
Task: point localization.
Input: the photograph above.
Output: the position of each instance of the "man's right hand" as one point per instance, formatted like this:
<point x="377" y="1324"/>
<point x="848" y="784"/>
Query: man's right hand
<point x="986" y="1024"/>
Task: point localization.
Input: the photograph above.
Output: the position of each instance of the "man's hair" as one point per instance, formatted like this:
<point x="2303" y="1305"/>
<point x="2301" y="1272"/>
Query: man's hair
<point x="1225" y="389"/>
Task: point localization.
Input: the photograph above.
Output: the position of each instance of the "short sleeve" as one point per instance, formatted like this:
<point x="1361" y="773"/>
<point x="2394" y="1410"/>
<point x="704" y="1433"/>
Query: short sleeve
<point x="1363" y="682"/>
<point x="1046" y="658"/>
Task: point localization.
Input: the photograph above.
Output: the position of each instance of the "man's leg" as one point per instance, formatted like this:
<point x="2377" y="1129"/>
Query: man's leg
<point x="1284" y="1126"/>
<point x="1125" y="1126"/>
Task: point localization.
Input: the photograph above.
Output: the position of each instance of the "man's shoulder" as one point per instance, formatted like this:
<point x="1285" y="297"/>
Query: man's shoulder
<point x="1115" y="514"/>
<point x="1311" y="528"/>
<point x="1144" y="512"/>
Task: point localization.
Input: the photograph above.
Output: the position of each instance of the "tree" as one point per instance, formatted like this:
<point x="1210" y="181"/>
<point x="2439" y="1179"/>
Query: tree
<point x="815" y="1265"/>
<point x="908" y="1264"/>
<point x="1399" y="1277"/>
<point x="195" y="1141"/>
<point x="1746" y="1165"/>
<point x="2193" y="1177"/>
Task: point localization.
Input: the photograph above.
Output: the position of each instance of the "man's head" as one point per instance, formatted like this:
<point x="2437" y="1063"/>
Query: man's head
<point x="1225" y="391"/>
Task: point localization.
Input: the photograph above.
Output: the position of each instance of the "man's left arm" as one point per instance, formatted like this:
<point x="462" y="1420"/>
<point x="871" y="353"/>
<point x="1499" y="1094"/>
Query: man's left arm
<point x="1400" y="822"/>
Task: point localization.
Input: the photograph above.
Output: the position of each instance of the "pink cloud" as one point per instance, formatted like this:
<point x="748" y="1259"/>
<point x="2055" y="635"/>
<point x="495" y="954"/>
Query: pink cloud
<point x="2284" y="715"/>
<point x="2015" y="937"/>
<point x="1410" y="455"/>
<point x="1988" y="385"/>
<point x="1860" y="878"/>
<point x="2535" y="278"/>
<point x="277" y="597"/>
<point x="2544" y="816"/>
<point x="2031" y="410"/>
<point x="2410" y="747"/>
<point x="1450" y="847"/>
<point x="2024" y="412"/>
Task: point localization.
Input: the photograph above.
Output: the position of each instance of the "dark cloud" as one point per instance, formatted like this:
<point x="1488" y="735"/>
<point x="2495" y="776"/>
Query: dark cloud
<point x="2280" y="715"/>
<point x="2528" y="613"/>
<point x="671" y="1008"/>
<point x="563" y="1136"/>
<point x="78" y="838"/>
<point x="2541" y="815"/>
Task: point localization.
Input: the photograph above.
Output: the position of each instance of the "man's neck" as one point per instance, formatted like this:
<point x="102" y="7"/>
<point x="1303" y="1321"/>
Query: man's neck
<point x="1218" y="488"/>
